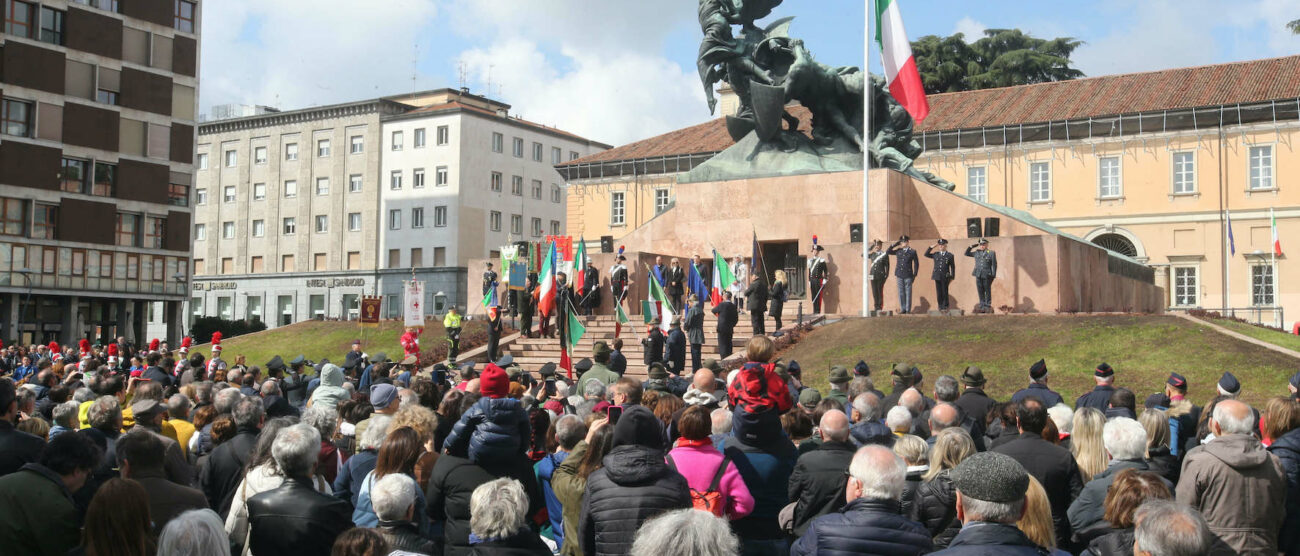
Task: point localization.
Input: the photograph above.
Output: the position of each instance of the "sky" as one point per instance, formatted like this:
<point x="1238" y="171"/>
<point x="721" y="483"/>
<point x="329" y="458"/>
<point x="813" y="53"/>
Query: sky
<point x="616" y="71"/>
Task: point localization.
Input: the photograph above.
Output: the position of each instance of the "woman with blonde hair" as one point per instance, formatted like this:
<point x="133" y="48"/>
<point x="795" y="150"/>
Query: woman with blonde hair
<point x="1159" y="458"/>
<point x="1086" y="444"/>
<point x="776" y="293"/>
<point x="1037" y="522"/>
<point x="916" y="454"/>
<point x="935" y="503"/>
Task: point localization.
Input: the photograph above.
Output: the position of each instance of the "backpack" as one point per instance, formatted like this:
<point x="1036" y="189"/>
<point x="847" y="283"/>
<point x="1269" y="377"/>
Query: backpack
<point x="710" y="500"/>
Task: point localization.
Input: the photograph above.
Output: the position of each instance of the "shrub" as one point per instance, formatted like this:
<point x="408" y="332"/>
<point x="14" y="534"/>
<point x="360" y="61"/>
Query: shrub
<point x="203" y="327"/>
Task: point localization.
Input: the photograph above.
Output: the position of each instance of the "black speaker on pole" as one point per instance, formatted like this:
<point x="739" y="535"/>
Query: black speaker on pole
<point x="991" y="225"/>
<point x="973" y="228"/>
<point x="606" y="244"/>
<point x="855" y="233"/>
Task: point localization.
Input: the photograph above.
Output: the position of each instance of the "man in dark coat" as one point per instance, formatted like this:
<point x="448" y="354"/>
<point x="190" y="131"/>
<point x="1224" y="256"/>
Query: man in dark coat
<point x="817" y="484"/>
<point x="676" y="347"/>
<point x="37" y="512"/>
<point x="140" y="458"/>
<point x="527" y="306"/>
<point x="452" y="483"/>
<point x="293" y="518"/>
<point x="944" y="271"/>
<point x="652" y="345"/>
<point x="1052" y="465"/>
<point x="906" y="270"/>
<point x="1099" y="397"/>
<point x="155" y="373"/>
<point x="756" y="303"/>
<point x="226" y="465"/>
<point x="973" y="401"/>
<point x="17" y="448"/>
<point x="590" y="288"/>
<point x="995" y="484"/>
<point x="727" y="319"/>
<point x="1038" y="387"/>
<point x="675" y="279"/>
<point x="694" y="326"/>
<point x="871" y="522"/>
<point x="986" y="269"/>
<point x="618" y="361"/>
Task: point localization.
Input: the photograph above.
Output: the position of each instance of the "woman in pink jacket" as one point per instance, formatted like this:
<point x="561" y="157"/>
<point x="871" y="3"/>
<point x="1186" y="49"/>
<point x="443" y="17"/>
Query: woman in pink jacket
<point x="714" y="489"/>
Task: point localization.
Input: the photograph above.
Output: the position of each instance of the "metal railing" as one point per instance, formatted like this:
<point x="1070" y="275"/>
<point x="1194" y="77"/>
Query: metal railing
<point x="1267" y="316"/>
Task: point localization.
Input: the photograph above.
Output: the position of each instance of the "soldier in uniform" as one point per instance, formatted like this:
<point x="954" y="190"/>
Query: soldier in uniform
<point x="489" y="279"/>
<point x="1099" y="397"/>
<point x="618" y="280"/>
<point x="878" y="268"/>
<point x="1038" y="386"/>
<point x="986" y="268"/>
<point x="908" y="267"/>
<point x="944" y="271"/>
<point x="294" y="386"/>
<point x="590" y="288"/>
<point x="817" y="278"/>
<point x="527" y="306"/>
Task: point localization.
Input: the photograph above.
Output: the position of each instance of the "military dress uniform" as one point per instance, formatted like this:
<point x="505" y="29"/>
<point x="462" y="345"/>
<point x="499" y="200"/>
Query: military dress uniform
<point x="908" y="267"/>
<point x="986" y="268"/>
<point x="945" y="268"/>
<point x="590" y="289"/>
<point x="489" y="280"/>
<point x="816" y="280"/>
<point x="618" y="281"/>
<point x="878" y="267"/>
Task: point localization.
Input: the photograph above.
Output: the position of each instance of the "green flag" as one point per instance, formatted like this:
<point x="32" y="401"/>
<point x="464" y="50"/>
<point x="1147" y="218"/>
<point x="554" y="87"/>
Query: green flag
<point x="576" y="329"/>
<point x="620" y="315"/>
<point x="723" y="271"/>
<point x="648" y="312"/>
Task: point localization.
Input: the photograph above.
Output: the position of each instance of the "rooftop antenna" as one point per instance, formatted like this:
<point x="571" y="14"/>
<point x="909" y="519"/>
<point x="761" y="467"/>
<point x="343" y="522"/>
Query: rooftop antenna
<point x="460" y="72"/>
<point x="415" y="57"/>
<point x="489" y="79"/>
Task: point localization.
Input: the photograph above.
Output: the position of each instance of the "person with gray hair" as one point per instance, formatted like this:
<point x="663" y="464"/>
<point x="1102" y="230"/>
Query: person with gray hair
<point x="721" y="423"/>
<point x="871" y="522"/>
<point x="1167" y="528"/>
<point x="817" y="483"/>
<point x="899" y="420"/>
<point x="991" y="489"/>
<point x="202" y="394"/>
<point x="225" y="467"/>
<point x="347" y="485"/>
<point x="65" y="418"/>
<point x="393" y="499"/>
<point x="593" y="390"/>
<point x="569" y="431"/>
<point x="1126" y="442"/>
<point x="497" y="521"/>
<point x="867" y="428"/>
<point x="325" y="420"/>
<point x="294" y="518"/>
<point x="194" y="533"/>
<point x="1235" y="483"/>
<point x="105" y="415"/>
<point x="685" y="533"/>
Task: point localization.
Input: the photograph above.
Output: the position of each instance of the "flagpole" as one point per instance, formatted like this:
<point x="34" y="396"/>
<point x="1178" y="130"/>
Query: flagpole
<point x="1227" y="265"/>
<point x="1276" y="235"/>
<point x="867" y="94"/>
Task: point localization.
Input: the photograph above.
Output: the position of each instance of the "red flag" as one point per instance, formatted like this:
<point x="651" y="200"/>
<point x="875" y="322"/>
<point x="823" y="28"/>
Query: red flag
<point x="565" y="363"/>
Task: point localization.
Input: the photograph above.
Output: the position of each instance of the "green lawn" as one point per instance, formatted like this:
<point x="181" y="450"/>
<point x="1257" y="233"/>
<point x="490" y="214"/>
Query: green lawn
<point x="1142" y="349"/>
<point x="324" y="340"/>
<point x="1289" y="341"/>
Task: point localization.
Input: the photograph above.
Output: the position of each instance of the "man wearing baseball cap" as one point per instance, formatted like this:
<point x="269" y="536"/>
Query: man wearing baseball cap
<point x="991" y="491"/>
<point x="1099" y="397"/>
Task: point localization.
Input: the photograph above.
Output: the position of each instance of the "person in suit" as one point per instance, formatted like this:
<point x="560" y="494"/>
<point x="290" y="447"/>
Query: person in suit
<point x="694" y="325"/>
<point x="776" y="293"/>
<point x="727" y="319"/>
<point x="676" y="347"/>
<point x="817" y="274"/>
<point x="944" y="271"/>
<point x="908" y="267"/>
<point x="590" y="288"/>
<point x="756" y="303"/>
<point x="986" y="268"/>
<point x="527" y="306"/>
<point x="878" y="268"/>
<point x="652" y="345"/>
<point x="676" y="280"/>
<point x="564" y="303"/>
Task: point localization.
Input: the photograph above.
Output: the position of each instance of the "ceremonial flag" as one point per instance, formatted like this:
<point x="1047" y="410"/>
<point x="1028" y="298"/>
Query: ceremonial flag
<point x="546" y="288"/>
<point x="565" y="362"/>
<point x="665" y="308"/>
<point x="901" y="75"/>
<point x="695" y="283"/>
<point x="1277" y="243"/>
<point x="722" y="278"/>
<point x="576" y="329"/>
<point x="649" y="310"/>
<point x="579" y="264"/>
<point x="1232" y="243"/>
<point x="490" y="300"/>
<point x="620" y="318"/>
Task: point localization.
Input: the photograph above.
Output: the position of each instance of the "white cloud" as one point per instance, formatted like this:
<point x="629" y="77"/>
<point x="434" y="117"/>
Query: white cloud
<point x="971" y="29"/>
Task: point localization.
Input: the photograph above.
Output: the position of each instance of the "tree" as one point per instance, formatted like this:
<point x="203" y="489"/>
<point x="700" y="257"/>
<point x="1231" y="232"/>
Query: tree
<point x="1001" y="58"/>
<point x="1294" y="26"/>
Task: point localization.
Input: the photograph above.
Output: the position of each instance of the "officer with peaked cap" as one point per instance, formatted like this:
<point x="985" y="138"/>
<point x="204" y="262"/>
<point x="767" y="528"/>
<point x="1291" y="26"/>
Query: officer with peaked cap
<point x="906" y="270"/>
<point x="1038" y="386"/>
<point x="294" y="385"/>
<point x="986" y="269"/>
<point x="945" y="269"/>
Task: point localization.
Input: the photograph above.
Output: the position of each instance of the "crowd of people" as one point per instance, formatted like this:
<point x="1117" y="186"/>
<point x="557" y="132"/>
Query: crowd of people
<point x="126" y="451"/>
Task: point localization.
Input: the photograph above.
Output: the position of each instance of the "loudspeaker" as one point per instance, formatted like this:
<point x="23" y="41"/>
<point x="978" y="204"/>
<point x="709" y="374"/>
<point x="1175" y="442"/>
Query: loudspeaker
<point x="606" y="244"/>
<point x="991" y="225"/>
<point x="855" y="233"/>
<point x="973" y="228"/>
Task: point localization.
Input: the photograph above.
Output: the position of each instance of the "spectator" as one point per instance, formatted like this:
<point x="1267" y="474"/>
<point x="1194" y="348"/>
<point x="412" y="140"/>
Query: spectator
<point x="117" y="521"/>
<point x="570" y="480"/>
<point x="228" y="462"/>
<point x="347" y="485"/>
<point x="867" y="428"/>
<point x="817" y="482"/>
<point x="1063" y="417"/>
<point x="1126" y="442"/>
<point x="870" y="522"/>
<point x="991" y="499"/>
<point x="1086" y="444"/>
<point x="1282" y="429"/>
<point x="1052" y="465"/>
<point x="498" y="512"/>
<point x="394" y="499"/>
<point x="35" y="426"/>
<point x="973" y="401"/>
<point x="936" y="498"/>
<point x="626" y="392"/>
<point x="1164" y="527"/>
<point x="397" y="454"/>
<point x="1159" y="458"/>
<point x="384" y="400"/>
<point x="274" y="402"/>
<point x="1114" y="534"/>
<point x="1038" y="387"/>
<point x="1099" y="397"/>
<point x="708" y="471"/>
<point x="685" y="533"/>
<point x="1122" y="404"/>
<point x="1234" y="482"/>
<point x="766" y="459"/>
<point x="37" y="514"/>
<point x="449" y="410"/>
<point x="1183" y="414"/>
<point x="149" y="415"/>
<point x="194" y="533"/>
<point x="178" y="420"/>
<point x="703" y="390"/>
<point x="17" y="448"/>
<point x="495" y="428"/>
<point x="262" y="476"/>
<point x="294" y="518"/>
<point x="360" y="542"/>
<point x="330" y="392"/>
<point x="425" y="423"/>
<point x="569" y="431"/>
<point x="798" y="426"/>
<point x="140" y="458"/>
<point x="599" y="369"/>
<point x="1037" y="521"/>
<point x="899" y="420"/>
<point x="756" y="386"/>
<point x="65" y="419"/>
<point x="325" y="420"/>
<point x="915" y="453"/>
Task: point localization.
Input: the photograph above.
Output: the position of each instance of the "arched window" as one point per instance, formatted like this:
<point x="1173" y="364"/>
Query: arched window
<point x="1116" y="243"/>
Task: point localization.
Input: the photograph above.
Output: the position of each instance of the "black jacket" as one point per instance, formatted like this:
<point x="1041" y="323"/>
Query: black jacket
<point x="994" y="539"/>
<point x="277" y="406"/>
<point x="1040" y="391"/>
<point x="1287" y="450"/>
<point x="865" y="527"/>
<point x="1054" y="468"/>
<point x="675" y="359"/>
<point x="653" y="346"/>
<point x="452" y="482"/>
<point x="935" y="506"/>
<point x="295" y="519"/>
<point x="523" y="543"/>
<point x="1113" y="542"/>
<point x="976" y="404"/>
<point x="1098" y="398"/>
<point x="817" y="484"/>
<point x="17" y="448"/>
<point x="775" y="303"/>
<point x="756" y="297"/>
<point x="675" y="277"/>
<point x="225" y="468"/>
<point x="871" y="432"/>
<point x="156" y="374"/>
<point x="403" y="536"/>
<point x="945" y="267"/>
<point x="634" y="485"/>
<point x="617" y="362"/>
<point x="908" y="265"/>
<point x="727" y="316"/>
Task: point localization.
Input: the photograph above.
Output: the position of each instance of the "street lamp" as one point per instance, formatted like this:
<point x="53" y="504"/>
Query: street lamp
<point x="27" y="277"/>
<point x="179" y="277"/>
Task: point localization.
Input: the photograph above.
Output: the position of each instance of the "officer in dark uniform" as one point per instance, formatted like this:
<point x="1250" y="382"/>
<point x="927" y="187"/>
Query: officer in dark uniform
<point x="618" y="279"/>
<point x="294" y="386"/>
<point x="1099" y="397"/>
<point x="489" y="279"/>
<point x="817" y="278"/>
<point x="908" y="267"/>
<point x="878" y="268"/>
<point x="986" y="268"/>
<point x="527" y="306"/>
<point x="590" y="288"/>
<point x="945" y="268"/>
<point x="1038" y="387"/>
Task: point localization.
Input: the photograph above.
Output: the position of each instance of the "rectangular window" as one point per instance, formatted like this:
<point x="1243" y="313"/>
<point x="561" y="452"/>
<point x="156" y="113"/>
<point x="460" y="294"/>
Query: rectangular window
<point x="17" y="118"/>
<point x="1184" y="172"/>
<point x="537" y="227"/>
<point x="319" y="262"/>
<point x="417" y="217"/>
<point x="557" y="155"/>
<point x="185" y="16"/>
<point x="200" y="232"/>
<point x="1108" y="178"/>
<point x="45" y="224"/>
<point x="417" y="178"/>
<point x="322" y="223"/>
<point x="537" y="152"/>
<point x="227" y="230"/>
<point x="417" y="256"/>
<point x="74" y="176"/>
<point x="1261" y="285"/>
<point x="1186" y="286"/>
<point x="439" y="256"/>
<point x="133" y="267"/>
<point x="1261" y="167"/>
<point x="259" y="191"/>
<point x="18" y="19"/>
<point x="322" y="186"/>
<point x="354" y="183"/>
<point x="517" y="186"/>
<point x="517" y="147"/>
<point x="517" y="224"/>
<point x="977" y="183"/>
<point x="178" y="194"/>
<point x="259" y="228"/>
<point x="259" y="155"/>
<point x="354" y="221"/>
<point x="52" y="26"/>
<point x="354" y="260"/>
<point x="494" y="220"/>
<point x="418" y="139"/>
<point x="440" y="216"/>
<point x="557" y="195"/>
<point x="444" y="135"/>
<point x="616" y="207"/>
<point x="537" y="189"/>
<point x="395" y="180"/>
<point x="661" y="200"/>
<point x="496" y="182"/>
<point x="555" y="227"/>
<point x="256" y="265"/>
<point x="397" y="140"/>
<point x="322" y="148"/>
<point x="394" y="258"/>
<point x="232" y="158"/>
<point x="498" y="142"/>
<point x="154" y="230"/>
<point x="358" y="145"/>
<point x="228" y="194"/>
<point x="440" y="176"/>
<point x="128" y="230"/>
<point x="203" y="161"/>
<point x="290" y="189"/>
<point x="1040" y="182"/>
<point x="286" y="264"/>
<point x="394" y="219"/>
<point x="290" y="226"/>
<point x="573" y="155"/>
<point x="105" y="179"/>
<point x="291" y="151"/>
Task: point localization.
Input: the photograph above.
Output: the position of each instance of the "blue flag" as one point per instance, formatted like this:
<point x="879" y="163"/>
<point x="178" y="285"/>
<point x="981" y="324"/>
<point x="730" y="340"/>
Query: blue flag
<point x="1232" y="244"/>
<point x="696" y="285"/>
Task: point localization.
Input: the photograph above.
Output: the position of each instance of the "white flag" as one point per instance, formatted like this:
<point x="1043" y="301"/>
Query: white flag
<point x="413" y="302"/>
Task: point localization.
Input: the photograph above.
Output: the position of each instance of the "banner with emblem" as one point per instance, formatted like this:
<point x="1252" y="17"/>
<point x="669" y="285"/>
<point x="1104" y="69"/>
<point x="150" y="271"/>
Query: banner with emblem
<point x="413" y="302"/>
<point x="370" y="311"/>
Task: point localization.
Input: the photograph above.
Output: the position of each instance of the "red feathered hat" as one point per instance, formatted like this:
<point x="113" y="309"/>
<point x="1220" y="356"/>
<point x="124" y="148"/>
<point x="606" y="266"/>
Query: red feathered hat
<point x="54" y="347"/>
<point x="185" y="344"/>
<point x="112" y="350"/>
<point x="216" y="342"/>
<point x="84" y="344"/>
<point x="153" y="344"/>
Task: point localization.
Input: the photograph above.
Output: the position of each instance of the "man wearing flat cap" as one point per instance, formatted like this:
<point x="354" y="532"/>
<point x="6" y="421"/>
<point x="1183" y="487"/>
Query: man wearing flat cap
<point x="906" y="270"/>
<point x="973" y="400"/>
<point x="945" y="269"/>
<point x="149" y="415"/>
<point x="1099" y="397"/>
<point x="839" y="379"/>
<point x="991" y="491"/>
<point x="986" y="268"/>
<point x="1038" y="387"/>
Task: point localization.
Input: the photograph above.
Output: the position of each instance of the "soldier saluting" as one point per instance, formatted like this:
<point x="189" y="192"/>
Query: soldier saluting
<point x="945" y="268"/>
<point x="986" y="268"/>
<point x="906" y="270"/>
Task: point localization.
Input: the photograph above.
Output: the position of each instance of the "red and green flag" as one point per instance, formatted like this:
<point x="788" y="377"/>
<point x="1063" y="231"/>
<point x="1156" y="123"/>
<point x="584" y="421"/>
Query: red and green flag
<point x="579" y="264"/>
<point x="1277" y="241"/>
<point x="901" y="75"/>
<point x="546" y="288"/>
<point x="722" y="278"/>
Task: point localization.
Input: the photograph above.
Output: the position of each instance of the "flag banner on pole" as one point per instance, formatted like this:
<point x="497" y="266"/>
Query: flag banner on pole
<point x="579" y="263"/>
<point x="413" y="302"/>
<point x="565" y="362"/>
<point x="722" y="278"/>
<point x="490" y="300"/>
<point x="546" y="288"/>
<point x="901" y="75"/>
<point x="665" y="308"/>
<point x="576" y="329"/>
<point x="1277" y="242"/>
<point x="620" y="319"/>
<point x="1232" y="243"/>
<point x="695" y="283"/>
<point x="649" y="310"/>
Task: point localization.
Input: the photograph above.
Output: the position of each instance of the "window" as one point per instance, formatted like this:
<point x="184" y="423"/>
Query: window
<point x="286" y="264"/>
<point x="128" y="230"/>
<point x="417" y="256"/>
<point x="185" y="16"/>
<point x="1184" y="172"/>
<point x="1261" y="285"/>
<point x="291" y="151"/>
<point x="18" y="19"/>
<point x="200" y="232"/>
<point x="358" y="145"/>
<point x="203" y="161"/>
<point x="496" y="181"/>
<point x="322" y="223"/>
<point x="498" y="142"/>
<point x="977" y="183"/>
<point x="516" y="224"/>
<point x="397" y="140"/>
<point x="105" y="179"/>
<point x="417" y="178"/>
<point x="555" y="227"/>
<point x="354" y="183"/>
<point x="354" y="221"/>
<point x="394" y="219"/>
<point x="290" y="189"/>
<point x="132" y="267"/>
<point x="573" y="155"/>
<point x="1261" y="167"/>
<point x="322" y="148"/>
<point x="354" y="260"/>
<point x="227" y="230"/>
<point x="17" y="118"/>
<point x="440" y="176"/>
<point x="178" y="194"/>
<point x="228" y="194"/>
<point x="74" y="176"/>
<point x="395" y="180"/>
<point x="439" y="256"/>
<point x="1186" y="284"/>
<point x="661" y="200"/>
<point x="322" y="186"/>
<point x="232" y="158"/>
<point x="259" y="155"/>
<point x="517" y="186"/>
<point x="259" y="191"/>
<point x="290" y="226"/>
<point x="1040" y="182"/>
<point x="13" y="218"/>
<point x="417" y="217"/>
<point x="537" y="189"/>
<point x="616" y="207"/>
<point x="557" y="155"/>
<point x="444" y="135"/>
<point x="440" y="216"/>
<point x="494" y="220"/>
<point x="45" y="225"/>
<point x="394" y="258"/>
<point x="52" y="26"/>
<point x="259" y="228"/>
<point x="537" y="152"/>
<point x="537" y="227"/>
<point x="1108" y="178"/>
<point x="517" y="147"/>
<point x="419" y="138"/>
<point x="556" y="194"/>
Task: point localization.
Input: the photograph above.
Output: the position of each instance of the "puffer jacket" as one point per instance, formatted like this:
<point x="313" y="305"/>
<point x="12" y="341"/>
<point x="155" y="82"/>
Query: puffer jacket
<point x="1118" y="542"/>
<point x="817" y="483"/>
<point x="1287" y="450"/>
<point x="1240" y="489"/>
<point x="872" y="432"/>
<point x="453" y="482"/>
<point x="490" y="430"/>
<point x="936" y="508"/>
<point x="864" y="527"/>
<point x="1087" y="510"/>
<point x="911" y="483"/>
<point x="766" y="465"/>
<point x="634" y="485"/>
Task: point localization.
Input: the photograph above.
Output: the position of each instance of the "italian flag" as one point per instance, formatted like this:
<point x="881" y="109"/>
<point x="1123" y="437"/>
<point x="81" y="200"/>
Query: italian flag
<point x="1277" y="243"/>
<point x="579" y="264"/>
<point x="901" y="76"/>
<point x="722" y="278"/>
<point x="546" y="289"/>
<point x="664" y="309"/>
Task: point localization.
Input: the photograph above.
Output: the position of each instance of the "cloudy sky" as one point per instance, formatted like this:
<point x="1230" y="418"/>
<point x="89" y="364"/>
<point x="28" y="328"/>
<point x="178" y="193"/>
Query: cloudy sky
<point x="621" y="70"/>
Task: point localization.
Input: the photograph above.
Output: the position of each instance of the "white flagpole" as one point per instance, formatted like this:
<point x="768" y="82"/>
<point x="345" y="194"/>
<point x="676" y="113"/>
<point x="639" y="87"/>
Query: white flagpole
<point x="1227" y="265"/>
<point x="1272" y="223"/>
<point x="867" y="93"/>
